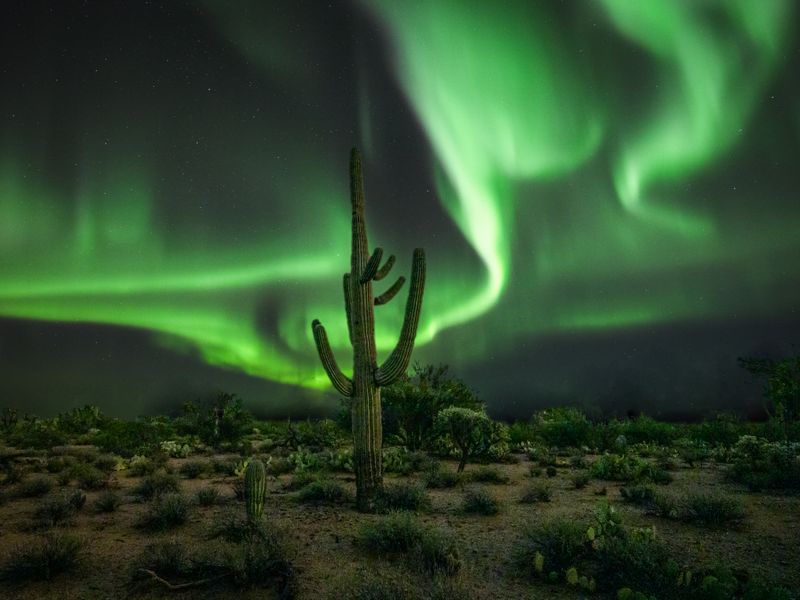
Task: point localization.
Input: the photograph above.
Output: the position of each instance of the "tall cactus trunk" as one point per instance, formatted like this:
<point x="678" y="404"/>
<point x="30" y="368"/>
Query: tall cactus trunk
<point x="364" y="388"/>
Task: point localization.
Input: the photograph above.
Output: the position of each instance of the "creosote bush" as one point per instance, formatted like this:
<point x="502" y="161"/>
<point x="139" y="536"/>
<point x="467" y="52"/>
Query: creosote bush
<point x="478" y="500"/>
<point x="257" y="559"/>
<point x="712" y="510"/>
<point x="439" y="476"/>
<point x="208" y="496"/>
<point x="108" y="501"/>
<point x="167" y="511"/>
<point x="580" y="480"/>
<point x="156" y="484"/>
<point x="400" y="534"/>
<point x="53" y="554"/>
<point x="561" y="541"/>
<point x="35" y="487"/>
<point x="324" y="491"/>
<point x="193" y="469"/>
<point x="403" y="496"/>
<point x="536" y="493"/>
<point x="642" y="495"/>
<point x="490" y="475"/>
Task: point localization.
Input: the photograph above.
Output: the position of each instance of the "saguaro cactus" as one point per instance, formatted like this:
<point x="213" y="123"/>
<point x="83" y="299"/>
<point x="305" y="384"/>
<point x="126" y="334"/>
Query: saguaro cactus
<point x="255" y="489"/>
<point x="368" y="377"/>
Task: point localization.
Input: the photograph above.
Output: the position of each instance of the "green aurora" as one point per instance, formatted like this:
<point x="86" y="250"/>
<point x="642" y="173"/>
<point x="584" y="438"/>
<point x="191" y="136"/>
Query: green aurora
<point x="604" y="167"/>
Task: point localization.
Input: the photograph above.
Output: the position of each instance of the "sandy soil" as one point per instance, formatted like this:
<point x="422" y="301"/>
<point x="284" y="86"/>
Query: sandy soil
<point x="321" y="538"/>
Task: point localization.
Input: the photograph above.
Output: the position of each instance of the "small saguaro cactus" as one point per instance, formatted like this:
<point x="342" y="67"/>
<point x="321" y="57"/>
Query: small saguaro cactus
<point x="255" y="489"/>
<point x="364" y="387"/>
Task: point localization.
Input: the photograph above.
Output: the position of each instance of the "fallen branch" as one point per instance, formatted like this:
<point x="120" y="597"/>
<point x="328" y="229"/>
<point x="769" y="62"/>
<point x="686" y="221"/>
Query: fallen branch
<point x="181" y="586"/>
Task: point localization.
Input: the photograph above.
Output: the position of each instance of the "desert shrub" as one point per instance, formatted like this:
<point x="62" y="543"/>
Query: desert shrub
<point x="324" y="491"/>
<point x="627" y="468"/>
<point x="228" y="467"/>
<point x="208" y="496"/>
<point x="261" y="561"/>
<point x="129" y="438"/>
<point x="666" y="506"/>
<point x="577" y="461"/>
<point x="40" y="434"/>
<point x="193" y="469"/>
<point x="644" y="429"/>
<point x="639" y="561"/>
<point x="77" y="498"/>
<point x="536" y="493"/>
<point x="166" y="558"/>
<point x="712" y="510"/>
<point x="439" y="476"/>
<point x="562" y="542"/>
<point x="88" y="477"/>
<point x="638" y="494"/>
<point x="534" y="471"/>
<point x="760" y="464"/>
<point x="521" y="434"/>
<point x="299" y="481"/>
<point x="107" y="501"/>
<point x="722" y="428"/>
<point x="238" y="489"/>
<point x="580" y="480"/>
<point x="35" y="487"/>
<point x="490" y="475"/>
<point x="106" y="462"/>
<point x="80" y="420"/>
<point x="139" y="466"/>
<point x="317" y="434"/>
<point x="411" y="404"/>
<point x="53" y="554"/>
<point x="401" y="534"/>
<point x="563" y="428"/>
<point x="280" y="466"/>
<point x="56" y="464"/>
<point x="156" y="484"/>
<point x="403" y="497"/>
<point x="692" y="453"/>
<point x="395" y="460"/>
<point x="467" y="430"/>
<point x="58" y="509"/>
<point x="479" y="501"/>
<point x="221" y="422"/>
<point x="781" y="389"/>
<point x="167" y="511"/>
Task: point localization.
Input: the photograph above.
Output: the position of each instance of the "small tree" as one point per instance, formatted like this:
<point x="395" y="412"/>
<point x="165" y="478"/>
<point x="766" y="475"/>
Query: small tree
<point x="469" y="430"/>
<point x="781" y="388"/>
<point x="411" y="404"/>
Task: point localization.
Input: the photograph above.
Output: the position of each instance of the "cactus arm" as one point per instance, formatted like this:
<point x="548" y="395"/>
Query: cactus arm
<point x="347" y="305"/>
<point x="384" y="270"/>
<point x="340" y="381"/>
<point x="391" y="292"/>
<point x="372" y="265"/>
<point x="398" y="360"/>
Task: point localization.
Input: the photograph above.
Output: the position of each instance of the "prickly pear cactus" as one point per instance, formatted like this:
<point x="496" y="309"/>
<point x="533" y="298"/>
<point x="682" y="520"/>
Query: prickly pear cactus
<point x="255" y="489"/>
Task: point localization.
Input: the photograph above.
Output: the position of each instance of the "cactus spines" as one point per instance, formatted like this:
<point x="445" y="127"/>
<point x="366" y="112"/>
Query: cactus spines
<point x="255" y="489"/>
<point x="364" y="387"/>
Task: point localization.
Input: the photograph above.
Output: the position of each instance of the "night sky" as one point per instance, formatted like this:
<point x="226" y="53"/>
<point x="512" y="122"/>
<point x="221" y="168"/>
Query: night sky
<point x="607" y="193"/>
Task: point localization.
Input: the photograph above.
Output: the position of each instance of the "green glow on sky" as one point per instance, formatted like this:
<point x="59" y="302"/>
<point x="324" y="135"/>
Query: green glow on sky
<point x="702" y="101"/>
<point x="574" y="203"/>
